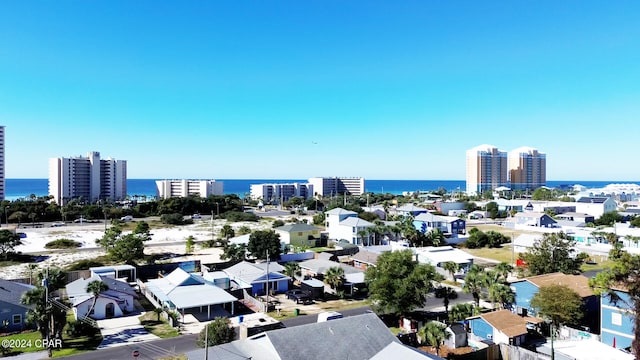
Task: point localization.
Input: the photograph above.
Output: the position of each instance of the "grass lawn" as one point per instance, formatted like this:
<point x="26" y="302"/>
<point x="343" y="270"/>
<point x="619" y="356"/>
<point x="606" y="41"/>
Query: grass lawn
<point x="26" y="342"/>
<point x="161" y="328"/>
<point x="73" y="344"/>
<point x="501" y="229"/>
<point x="599" y="266"/>
<point x="500" y="254"/>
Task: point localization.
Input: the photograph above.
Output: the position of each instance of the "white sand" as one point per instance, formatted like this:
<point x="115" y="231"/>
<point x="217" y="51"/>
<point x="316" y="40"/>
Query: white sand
<point x="87" y="234"/>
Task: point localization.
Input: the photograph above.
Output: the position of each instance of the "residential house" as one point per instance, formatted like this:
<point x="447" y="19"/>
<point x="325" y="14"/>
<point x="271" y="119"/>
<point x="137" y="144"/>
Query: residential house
<point x="595" y="206"/>
<point x="501" y="327"/>
<point x="254" y="277"/>
<point x="123" y="272"/>
<point x="317" y="268"/>
<point x="617" y="320"/>
<point x="535" y="219"/>
<point x="364" y="259"/>
<point x="525" y="290"/>
<point x="346" y="225"/>
<point x="376" y="209"/>
<point x="438" y="255"/>
<point x="299" y="234"/>
<point x="116" y="301"/>
<point x="356" y="337"/>
<point x="449" y="225"/>
<point x="13" y="314"/>
<point x="579" y="217"/>
<point x="589" y="349"/>
<point x="188" y="292"/>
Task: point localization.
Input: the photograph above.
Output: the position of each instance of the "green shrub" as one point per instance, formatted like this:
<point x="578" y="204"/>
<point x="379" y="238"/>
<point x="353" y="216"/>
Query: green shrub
<point x="62" y="244"/>
<point x="175" y="219"/>
<point x="84" y="264"/>
<point x="236" y="216"/>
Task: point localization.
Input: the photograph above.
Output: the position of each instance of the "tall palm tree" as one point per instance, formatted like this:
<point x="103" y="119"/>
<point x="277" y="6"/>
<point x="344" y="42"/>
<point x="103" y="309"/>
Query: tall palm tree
<point x="227" y="232"/>
<point x="435" y="237"/>
<point x="334" y="277"/>
<point x="446" y="293"/>
<point x="451" y="267"/>
<point x="434" y="334"/>
<point x="95" y="288"/>
<point x="31" y="270"/>
<point x="473" y="283"/>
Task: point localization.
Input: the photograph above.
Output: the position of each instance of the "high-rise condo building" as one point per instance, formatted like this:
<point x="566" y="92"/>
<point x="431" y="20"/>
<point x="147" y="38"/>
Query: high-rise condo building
<point x="337" y="185"/>
<point x="2" y="180"/>
<point x="278" y="193"/>
<point x="486" y="169"/>
<point x="88" y="178"/>
<point x="527" y="168"/>
<point x="183" y="188"/>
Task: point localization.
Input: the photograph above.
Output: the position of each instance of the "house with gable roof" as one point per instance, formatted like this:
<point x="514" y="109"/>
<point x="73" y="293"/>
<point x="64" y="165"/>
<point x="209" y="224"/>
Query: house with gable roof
<point x="346" y="225"/>
<point x="526" y="289"/>
<point x="116" y="301"/>
<point x="188" y="292"/>
<point x="449" y="225"/>
<point x="299" y="234"/>
<point x="501" y="327"/>
<point x="595" y="206"/>
<point x="13" y="314"/>
<point x="253" y="277"/>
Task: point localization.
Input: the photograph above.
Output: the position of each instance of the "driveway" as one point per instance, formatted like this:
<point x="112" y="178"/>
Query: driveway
<point x="123" y="331"/>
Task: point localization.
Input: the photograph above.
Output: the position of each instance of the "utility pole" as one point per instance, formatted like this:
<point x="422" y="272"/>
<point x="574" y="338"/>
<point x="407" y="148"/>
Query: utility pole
<point x="206" y="340"/>
<point x="266" y="309"/>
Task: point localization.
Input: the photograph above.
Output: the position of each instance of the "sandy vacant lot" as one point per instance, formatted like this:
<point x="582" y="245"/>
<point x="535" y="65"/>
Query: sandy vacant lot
<point x="163" y="241"/>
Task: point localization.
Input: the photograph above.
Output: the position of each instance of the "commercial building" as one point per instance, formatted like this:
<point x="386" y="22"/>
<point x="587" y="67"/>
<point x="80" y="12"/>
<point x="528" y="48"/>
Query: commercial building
<point x="527" y="169"/>
<point x="277" y="193"/>
<point x="182" y="188"/>
<point x="89" y="178"/>
<point x="2" y="166"/>
<point x="486" y="169"/>
<point x="332" y="186"/>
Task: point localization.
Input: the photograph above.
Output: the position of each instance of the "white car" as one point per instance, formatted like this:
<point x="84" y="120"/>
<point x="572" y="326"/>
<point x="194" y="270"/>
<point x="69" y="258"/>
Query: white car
<point x="196" y="217"/>
<point x="126" y="218"/>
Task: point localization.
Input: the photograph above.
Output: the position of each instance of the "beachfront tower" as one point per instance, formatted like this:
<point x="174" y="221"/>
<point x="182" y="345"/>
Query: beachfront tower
<point x="88" y="178"/>
<point x="527" y="168"/>
<point x="332" y="186"/>
<point x="486" y="169"/>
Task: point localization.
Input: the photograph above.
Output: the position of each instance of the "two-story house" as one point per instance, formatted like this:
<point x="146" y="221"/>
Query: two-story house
<point x="299" y="234"/>
<point x="617" y="319"/>
<point x="345" y="224"/>
<point x="449" y="225"/>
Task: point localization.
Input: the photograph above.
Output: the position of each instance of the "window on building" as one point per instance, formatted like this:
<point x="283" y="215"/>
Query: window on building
<point x="616" y="319"/>
<point x="299" y="233"/>
<point x="17" y="319"/>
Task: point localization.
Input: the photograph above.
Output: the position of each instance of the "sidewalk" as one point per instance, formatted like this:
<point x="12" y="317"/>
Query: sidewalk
<point x="38" y="355"/>
<point x="123" y="331"/>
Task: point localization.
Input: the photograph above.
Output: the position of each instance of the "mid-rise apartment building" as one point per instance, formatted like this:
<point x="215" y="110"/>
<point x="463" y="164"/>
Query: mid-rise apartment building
<point x="486" y="169"/>
<point x="89" y="178"/>
<point x="332" y="186"/>
<point x="527" y="169"/>
<point x="2" y="165"/>
<point x="278" y="193"/>
<point x="182" y="188"/>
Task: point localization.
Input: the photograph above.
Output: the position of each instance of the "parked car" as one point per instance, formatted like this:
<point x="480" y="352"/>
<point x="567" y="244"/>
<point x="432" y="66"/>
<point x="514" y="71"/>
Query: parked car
<point x="196" y="217"/>
<point x="57" y="224"/>
<point x="329" y="315"/>
<point x="126" y="218"/>
<point x="299" y="296"/>
<point x="79" y="220"/>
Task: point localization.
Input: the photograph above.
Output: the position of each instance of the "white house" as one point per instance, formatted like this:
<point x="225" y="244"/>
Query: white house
<point x="117" y="301"/>
<point x="345" y="224"/>
<point x="438" y="255"/>
<point x="595" y="206"/>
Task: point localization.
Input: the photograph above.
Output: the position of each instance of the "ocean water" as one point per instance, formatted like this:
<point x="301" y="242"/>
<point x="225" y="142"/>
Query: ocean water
<point x="21" y="188"/>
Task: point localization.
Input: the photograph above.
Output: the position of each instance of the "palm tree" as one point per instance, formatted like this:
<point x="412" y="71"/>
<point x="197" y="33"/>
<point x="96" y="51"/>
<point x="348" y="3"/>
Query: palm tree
<point x="435" y="237"/>
<point x="473" y="285"/>
<point x="434" y="334"/>
<point x="446" y="293"/>
<point x="501" y="295"/>
<point x="460" y="312"/>
<point x="361" y="235"/>
<point x="292" y="269"/>
<point x="31" y="270"/>
<point x="451" y="267"/>
<point x="95" y="288"/>
<point x="50" y="320"/>
<point x="158" y="311"/>
<point x="334" y="277"/>
<point x="503" y="269"/>
<point x="227" y="232"/>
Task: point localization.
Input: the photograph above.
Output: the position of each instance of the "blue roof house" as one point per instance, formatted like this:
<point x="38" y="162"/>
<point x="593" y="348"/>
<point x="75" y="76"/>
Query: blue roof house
<point x="13" y="313"/>
<point x="617" y="317"/>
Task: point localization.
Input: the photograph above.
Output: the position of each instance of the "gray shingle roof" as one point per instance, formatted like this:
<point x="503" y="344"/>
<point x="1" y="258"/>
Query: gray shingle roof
<point x="11" y="291"/>
<point x="593" y="200"/>
<point x="355" y="337"/>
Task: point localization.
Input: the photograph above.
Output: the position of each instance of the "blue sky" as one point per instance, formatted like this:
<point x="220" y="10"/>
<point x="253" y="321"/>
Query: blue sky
<point x="294" y="89"/>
